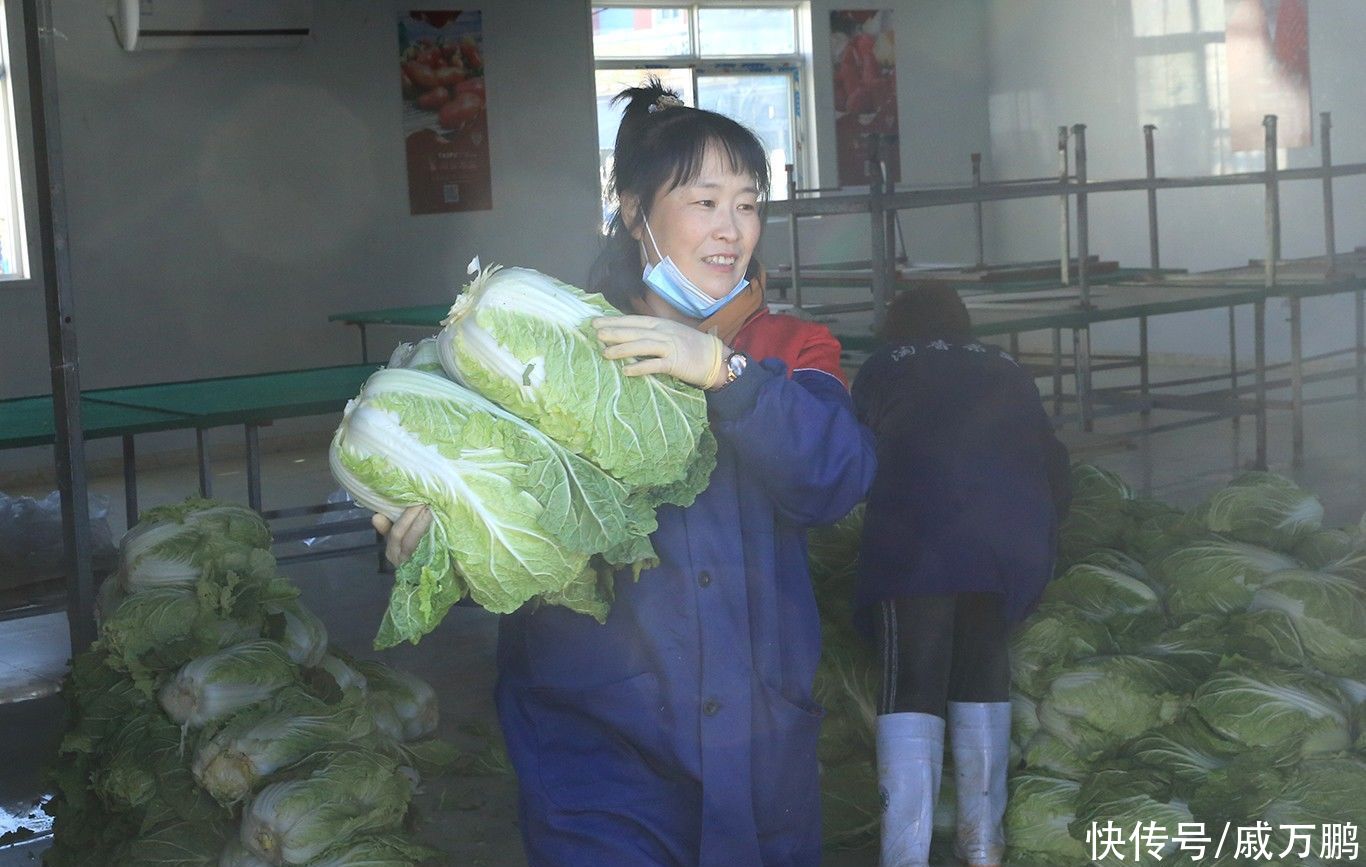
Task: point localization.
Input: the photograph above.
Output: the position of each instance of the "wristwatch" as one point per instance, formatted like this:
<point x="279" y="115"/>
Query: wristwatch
<point x="735" y="365"/>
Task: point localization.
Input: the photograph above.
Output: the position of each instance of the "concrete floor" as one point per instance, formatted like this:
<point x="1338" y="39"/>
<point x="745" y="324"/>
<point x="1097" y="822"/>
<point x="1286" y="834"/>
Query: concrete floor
<point x="474" y="818"/>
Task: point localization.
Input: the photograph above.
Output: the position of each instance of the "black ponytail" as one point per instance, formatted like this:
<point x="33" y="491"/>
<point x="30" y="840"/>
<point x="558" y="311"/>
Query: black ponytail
<point x="661" y="145"/>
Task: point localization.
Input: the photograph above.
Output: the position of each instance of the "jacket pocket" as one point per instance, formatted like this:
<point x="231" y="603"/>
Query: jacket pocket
<point x="603" y="747"/>
<point x="786" y="771"/>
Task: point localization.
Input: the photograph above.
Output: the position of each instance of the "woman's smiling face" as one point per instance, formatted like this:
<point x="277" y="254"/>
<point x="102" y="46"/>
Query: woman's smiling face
<point x="708" y="226"/>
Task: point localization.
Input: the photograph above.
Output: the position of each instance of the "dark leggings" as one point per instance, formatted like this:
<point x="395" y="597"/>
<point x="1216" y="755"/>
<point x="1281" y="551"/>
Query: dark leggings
<point x="941" y="648"/>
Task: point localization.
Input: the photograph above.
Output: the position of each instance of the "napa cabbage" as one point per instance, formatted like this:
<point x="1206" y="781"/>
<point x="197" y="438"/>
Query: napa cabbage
<point x="216" y="686"/>
<point x="1328" y="614"/>
<point x="406" y="698"/>
<point x="1263" y="509"/>
<point x="1099" y="703"/>
<point x="346" y="794"/>
<point x="1038" y="812"/>
<point x="516" y="516"/>
<point x="272" y="736"/>
<point x="299" y="631"/>
<point x="1216" y="576"/>
<point x="173" y="545"/>
<point x="1257" y="705"/>
<point x="525" y="340"/>
<point x="1101" y="592"/>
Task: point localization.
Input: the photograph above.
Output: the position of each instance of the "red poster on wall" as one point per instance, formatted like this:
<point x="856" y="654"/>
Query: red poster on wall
<point x="445" y="114"/>
<point x="863" y="50"/>
<point x="1268" y="71"/>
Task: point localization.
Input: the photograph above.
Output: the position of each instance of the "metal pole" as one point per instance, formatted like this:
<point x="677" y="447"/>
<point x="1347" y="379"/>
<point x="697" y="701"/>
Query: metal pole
<point x="1143" y="375"/>
<point x="130" y="481"/>
<point x="1154" y="256"/>
<point x="1259" y="361"/>
<point x="63" y="357"/>
<point x="1233" y="362"/>
<point x="1064" y="213"/>
<point x="1273" y="257"/>
<point x="877" y="241"/>
<point x="977" y="212"/>
<point x="1082" y="336"/>
<point x="792" y="234"/>
<point x="205" y="477"/>
<point x="1330" y="247"/>
<point x="1083" y="225"/>
<point x="1057" y="371"/>
<point x="253" y="467"/>
<point x="1272" y="221"/>
<point x="889" y="226"/>
<point x="1326" y="148"/>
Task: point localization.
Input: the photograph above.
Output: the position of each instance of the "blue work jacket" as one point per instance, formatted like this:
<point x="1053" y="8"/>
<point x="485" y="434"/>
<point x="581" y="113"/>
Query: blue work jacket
<point x="971" y="479"/>
<point x="682" y="731"/>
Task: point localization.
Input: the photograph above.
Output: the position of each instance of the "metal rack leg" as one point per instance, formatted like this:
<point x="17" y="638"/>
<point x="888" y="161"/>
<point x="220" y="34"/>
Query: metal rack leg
<point x="205" y="477"/>
<point x="130" y="481"/>
<point x="1233" y="362"/>
<point x="1296" y="385"/>
<point x="1143" y="364"/>
<point x="253" y="467"/>
<point x="1259" y="353"/>
<point x="1361" y="342"/>
<point x="1081" y="347"/>
<point x="1057" y="371"/>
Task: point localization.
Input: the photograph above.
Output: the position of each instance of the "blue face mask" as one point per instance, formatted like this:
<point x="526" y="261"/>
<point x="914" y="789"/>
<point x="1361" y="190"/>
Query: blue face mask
<point x="668" y="282"/>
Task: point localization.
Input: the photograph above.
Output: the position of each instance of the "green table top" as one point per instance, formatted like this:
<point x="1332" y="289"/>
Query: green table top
<point x="816" y="282"/>
<point x="423" y="316"/>
<point x="251" y="398"/>
<point x="28" y="421"/>
<point x="996" y="315"/>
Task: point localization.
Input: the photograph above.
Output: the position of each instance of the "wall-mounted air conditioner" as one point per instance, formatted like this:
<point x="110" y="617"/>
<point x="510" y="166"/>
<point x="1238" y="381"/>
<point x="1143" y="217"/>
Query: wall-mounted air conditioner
<point x="150" y="24"/>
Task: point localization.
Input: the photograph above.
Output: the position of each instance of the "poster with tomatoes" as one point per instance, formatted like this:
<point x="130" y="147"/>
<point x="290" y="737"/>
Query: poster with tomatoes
<point x="445" y="114"/>
<point x="863" y="49"/>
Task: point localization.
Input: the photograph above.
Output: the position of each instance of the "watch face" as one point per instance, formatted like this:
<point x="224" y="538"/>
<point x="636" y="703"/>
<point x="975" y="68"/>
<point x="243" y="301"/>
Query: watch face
<point x="736" y="364"/>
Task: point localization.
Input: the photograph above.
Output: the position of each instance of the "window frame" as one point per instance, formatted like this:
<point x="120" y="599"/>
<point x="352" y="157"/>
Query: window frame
<point x="18" y="116"/>
<point x="797" y="65"/>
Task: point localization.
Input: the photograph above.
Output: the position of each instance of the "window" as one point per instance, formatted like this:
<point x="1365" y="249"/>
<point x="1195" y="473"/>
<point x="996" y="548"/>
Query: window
<point x="750" y="62"/>
<point x="13" y="244"/>
<point x="1181" y="76"/>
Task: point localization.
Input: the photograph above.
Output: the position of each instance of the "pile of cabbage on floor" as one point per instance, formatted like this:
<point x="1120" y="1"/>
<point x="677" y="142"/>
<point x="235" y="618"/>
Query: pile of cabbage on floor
<point x="211" y="723"/>
<point x="1186" y="676"/>
<point x="541" y="462"/>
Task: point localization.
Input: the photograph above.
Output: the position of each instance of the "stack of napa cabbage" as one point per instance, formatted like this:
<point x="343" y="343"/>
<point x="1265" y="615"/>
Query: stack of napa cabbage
<point x="212" y="723"/>
<point x="1183" y="667"/>
<point x="541" y="462"/>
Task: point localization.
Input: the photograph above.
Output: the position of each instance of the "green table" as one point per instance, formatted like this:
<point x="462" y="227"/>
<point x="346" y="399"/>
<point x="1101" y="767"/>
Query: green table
<point x="421" y="316"/>
<point x="31" y="421"/>
<point x="250" y="400"/>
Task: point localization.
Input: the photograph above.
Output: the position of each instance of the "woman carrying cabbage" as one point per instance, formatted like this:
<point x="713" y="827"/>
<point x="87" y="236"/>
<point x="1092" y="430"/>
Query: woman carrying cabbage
<point x="958" y="541"/>
<point x="682" y="731"/>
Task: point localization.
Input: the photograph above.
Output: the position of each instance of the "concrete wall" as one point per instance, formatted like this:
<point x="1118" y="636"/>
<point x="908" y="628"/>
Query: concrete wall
<point x="1116" y="65"/>
<point x="223" y="203"/>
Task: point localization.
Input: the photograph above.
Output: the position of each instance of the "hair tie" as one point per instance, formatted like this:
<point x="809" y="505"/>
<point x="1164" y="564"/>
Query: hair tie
<point x="667" y="100"/>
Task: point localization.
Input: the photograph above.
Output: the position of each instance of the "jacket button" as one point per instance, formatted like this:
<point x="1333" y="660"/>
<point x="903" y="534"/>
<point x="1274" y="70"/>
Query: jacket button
<point x="711" y="706"/>
<point x="704" y="579"/>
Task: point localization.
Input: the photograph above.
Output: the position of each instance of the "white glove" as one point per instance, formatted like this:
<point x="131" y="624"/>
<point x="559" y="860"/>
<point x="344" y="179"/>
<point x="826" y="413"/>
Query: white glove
<point x="663" y="346"/>
<point x="403" y="535"/>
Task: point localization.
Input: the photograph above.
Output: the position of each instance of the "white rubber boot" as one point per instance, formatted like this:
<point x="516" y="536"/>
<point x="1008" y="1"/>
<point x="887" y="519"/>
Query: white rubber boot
<point x="979" y="735"/>
<point x="910" y="758"/>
